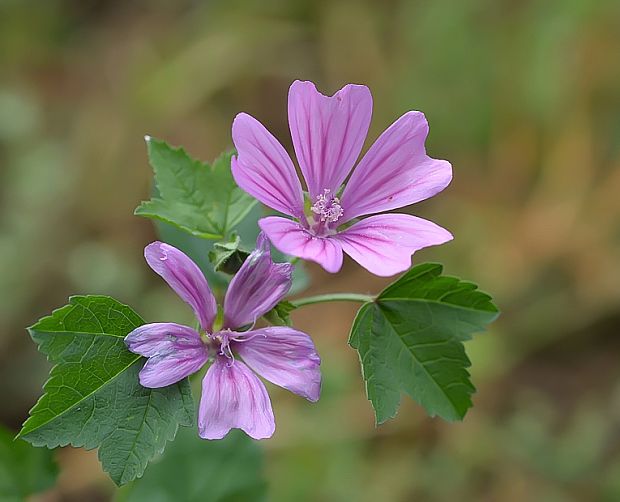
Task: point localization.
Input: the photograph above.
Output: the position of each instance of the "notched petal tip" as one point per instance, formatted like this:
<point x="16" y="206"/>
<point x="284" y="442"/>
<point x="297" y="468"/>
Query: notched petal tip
<point x="309" y="86"/>
<point x="328" y="132"/>
<point x="301" y="84"/>
<point x="395" y="171"/>
<point x="384" y="244"/>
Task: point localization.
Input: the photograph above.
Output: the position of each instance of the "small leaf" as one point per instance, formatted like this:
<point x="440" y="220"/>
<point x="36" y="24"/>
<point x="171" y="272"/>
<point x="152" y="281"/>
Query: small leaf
<point x="227" y="257"/>
<point x="93" y="398"/>
<point x="24" y="470"/>
<point x="410" y="339"/>
<point x="280" y="315"/>
<point x="195" y="470"/>
<point x="196" y="197"/>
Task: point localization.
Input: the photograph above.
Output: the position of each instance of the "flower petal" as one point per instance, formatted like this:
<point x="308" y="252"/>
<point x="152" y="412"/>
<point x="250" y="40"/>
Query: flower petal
<point x="185" y="278"/>
<point x="291" y="238"/>
<point x="234" y="398"/>
<point x="383" y="244"/>
<point x="284" y="356"/>
<point x="174" y="352"/>
<point x="162" y="337"/>
<point x="396" y="171"/>
<point x="257" y="287"/>
<point x="328" y="132"/>
<point x="263" y="168"/>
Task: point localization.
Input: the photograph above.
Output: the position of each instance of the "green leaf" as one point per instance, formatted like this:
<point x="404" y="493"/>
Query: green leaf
<point x="227" y="257"/>
<point x="411" y="339"/>
<point x="194" y="470"/>
<point x="93" y="398"/>
<point x="24" y="470"/>
<point x="196" y="197"/>
<point x="280" y="315"/>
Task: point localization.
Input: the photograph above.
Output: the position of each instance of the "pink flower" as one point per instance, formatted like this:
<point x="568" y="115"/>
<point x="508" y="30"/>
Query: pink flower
<point x="328" y="134"/>
<point x="232" y="394"/>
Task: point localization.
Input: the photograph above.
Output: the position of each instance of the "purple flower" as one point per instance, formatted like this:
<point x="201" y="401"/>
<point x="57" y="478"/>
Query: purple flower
<point x="232" y="394"/>
<point x="328" y="134"/>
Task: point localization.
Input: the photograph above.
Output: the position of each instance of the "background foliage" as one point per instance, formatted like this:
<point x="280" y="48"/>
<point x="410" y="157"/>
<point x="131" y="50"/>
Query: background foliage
<point x="522" y="98"/>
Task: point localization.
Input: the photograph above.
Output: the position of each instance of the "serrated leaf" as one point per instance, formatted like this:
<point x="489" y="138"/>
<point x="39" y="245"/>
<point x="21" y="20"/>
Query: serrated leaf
<point x="196" y="197"/>
<point x="194" y="470"/>
<point x="227" y="256"/>
<point x="93" y="398"/>
<point x="24" y="470"/>
<point x="280" y="315"/>
<point x="411" y="339"/>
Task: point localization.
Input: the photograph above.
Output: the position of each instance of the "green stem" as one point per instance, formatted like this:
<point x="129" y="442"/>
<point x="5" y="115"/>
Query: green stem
<point x="333" y="297"/>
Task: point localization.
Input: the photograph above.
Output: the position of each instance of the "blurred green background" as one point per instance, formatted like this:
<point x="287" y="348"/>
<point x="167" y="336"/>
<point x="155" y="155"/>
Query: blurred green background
<point x="522" y="97"/>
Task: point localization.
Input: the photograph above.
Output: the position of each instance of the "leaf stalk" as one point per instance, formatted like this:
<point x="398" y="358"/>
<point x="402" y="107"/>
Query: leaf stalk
<point x="332" y="297"/>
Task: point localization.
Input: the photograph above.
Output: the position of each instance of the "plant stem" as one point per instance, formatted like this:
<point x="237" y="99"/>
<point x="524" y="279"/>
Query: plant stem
<point x="333" y="297"/>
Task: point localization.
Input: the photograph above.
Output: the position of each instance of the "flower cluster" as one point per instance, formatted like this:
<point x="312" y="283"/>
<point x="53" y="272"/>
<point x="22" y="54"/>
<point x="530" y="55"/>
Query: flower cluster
<point x="232" y="394"/>
<point x="328" y="134"/>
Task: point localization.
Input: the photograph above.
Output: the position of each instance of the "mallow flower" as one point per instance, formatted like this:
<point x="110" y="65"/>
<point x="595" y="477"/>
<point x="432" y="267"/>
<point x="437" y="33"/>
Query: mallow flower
<point x="328" y="134"/>
<point x="232" y="394"/>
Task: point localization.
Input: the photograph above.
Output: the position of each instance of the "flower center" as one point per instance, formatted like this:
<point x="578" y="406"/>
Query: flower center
<point x="219" y="343"/>
<point x="224" y="339"/>
<point x="327" y="207"/>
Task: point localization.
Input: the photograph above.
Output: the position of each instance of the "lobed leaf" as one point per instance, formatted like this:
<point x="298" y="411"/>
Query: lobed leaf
<point x="411" y="339"/>
<point x="227" y="256"/>
<point x="93" y="398"/>
<point x="280" y="315"/>
<point x="196" y="197"/>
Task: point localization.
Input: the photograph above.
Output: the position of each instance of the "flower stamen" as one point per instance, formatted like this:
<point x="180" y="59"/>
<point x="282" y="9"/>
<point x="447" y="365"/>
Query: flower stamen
<point x="327" y="208"/>
<point x="220" y="343"/>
